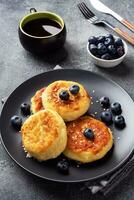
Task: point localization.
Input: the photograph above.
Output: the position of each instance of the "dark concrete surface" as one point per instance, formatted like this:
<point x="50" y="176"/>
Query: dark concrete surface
<point x="17" y="65"/>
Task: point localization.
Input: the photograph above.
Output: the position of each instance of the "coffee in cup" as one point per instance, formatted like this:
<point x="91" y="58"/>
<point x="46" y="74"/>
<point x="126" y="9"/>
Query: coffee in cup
<point x="42" y="32"/>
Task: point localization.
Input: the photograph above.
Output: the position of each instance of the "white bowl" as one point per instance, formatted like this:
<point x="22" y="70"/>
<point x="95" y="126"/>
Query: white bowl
<point x="108" y="63"/>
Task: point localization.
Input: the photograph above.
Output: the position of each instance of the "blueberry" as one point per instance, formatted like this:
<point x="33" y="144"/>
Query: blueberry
<point x="106" y="56"/>
<point x="101" y="39"/>
<point x="105" y="102"/>
<point x="101" y="49"/>
<point x="116" y="108"/>
<point x="120" y="51"/>
<point x="93" y="49"/>
<point x="88" y="133"/>
<point x="110" y="36"/>
<point x="121" y="48"/>
<point x="16" y="122"/>
<point x="118" y="42"/>
<point x="92" y="40"/>
<point x="119" y="122"/>
<point x="112" y="50"/>
<point x="108" y="41"/>
<point x="64" y="95"/>
<point x="25" y="109"/>
<point x="106" y="117"/>
<point x="100" y="45"/>
<point x="63" y="167"/>
<point x="74" y="89"/>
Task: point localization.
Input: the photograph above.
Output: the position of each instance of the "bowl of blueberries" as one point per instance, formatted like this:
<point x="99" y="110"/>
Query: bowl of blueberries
<point x="107" y="51"/>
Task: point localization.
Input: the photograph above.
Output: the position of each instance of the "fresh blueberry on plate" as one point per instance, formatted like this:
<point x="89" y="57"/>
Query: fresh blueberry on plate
<point x="63" y="167"/>
<point x="105" y="102"/>
<point x="88" y="133"/>
<point x="112" y="50"/>
<point x="101" y="49"/>
<point x="74" y="89"/>
<point x="119" y="122"/>
<point x="92" y="40"/>
<point x="118" y="42"/>
<point x="106" y="117"/>
<point x="116" y="108"/>
<point x="93" y="49"/>
<point x="25" y="109"/>
<point x="64" y="95"/>
<point x="16" y="122"/>
<point x="106" y="56"/>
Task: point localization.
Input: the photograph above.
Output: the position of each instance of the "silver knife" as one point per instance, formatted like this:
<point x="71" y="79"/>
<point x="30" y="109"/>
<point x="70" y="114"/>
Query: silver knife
<point x="104" y="9"/>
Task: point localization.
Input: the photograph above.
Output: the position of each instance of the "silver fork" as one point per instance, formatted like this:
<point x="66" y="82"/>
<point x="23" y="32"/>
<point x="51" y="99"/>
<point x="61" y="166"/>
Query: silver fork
<point x="93" y="19"/>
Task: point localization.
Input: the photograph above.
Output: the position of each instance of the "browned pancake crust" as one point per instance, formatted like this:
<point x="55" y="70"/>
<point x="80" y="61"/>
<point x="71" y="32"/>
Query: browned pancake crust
<point x="77" y="142"/>
<point x="44" y="135"/>
<point x="73" y="98"/>
<point x="37" y="100"/>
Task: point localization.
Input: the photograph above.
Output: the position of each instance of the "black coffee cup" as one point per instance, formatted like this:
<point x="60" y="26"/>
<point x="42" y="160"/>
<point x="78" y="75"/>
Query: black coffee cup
<point x="43" y="44"/>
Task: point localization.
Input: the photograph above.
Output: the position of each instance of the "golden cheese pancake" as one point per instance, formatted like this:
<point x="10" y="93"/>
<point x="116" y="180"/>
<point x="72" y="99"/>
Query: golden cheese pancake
<point x="85" y="150"/>
<point x="44" y="135"/>
<point x="70" y="109"/>
<point x="36" y="101"/>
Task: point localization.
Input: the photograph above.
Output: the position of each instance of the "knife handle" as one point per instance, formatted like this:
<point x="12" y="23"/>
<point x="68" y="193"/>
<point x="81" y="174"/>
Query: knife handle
<point x="125" y="35"/>
<point x="128" y="24"/>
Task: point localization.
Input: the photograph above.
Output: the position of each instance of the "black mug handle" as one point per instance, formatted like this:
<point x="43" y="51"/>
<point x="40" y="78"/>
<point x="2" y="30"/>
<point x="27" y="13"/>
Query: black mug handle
<point x="33" y="10"/>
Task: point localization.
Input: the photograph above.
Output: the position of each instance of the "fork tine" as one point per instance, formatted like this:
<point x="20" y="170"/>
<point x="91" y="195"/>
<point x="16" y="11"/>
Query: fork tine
<point x="88" y="10"/>
<point x="83" y="11"/>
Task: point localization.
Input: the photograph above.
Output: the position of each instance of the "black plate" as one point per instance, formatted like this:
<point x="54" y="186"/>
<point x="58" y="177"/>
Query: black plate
<point x="97" y="86"/>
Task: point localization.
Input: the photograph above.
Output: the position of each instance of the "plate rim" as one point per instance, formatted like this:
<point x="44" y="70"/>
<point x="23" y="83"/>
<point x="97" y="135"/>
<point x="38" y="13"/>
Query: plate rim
<point x="59" y="180"/>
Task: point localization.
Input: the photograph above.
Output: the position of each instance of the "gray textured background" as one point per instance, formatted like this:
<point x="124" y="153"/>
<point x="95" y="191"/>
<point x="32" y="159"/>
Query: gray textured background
<point x="17" y="65"/>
